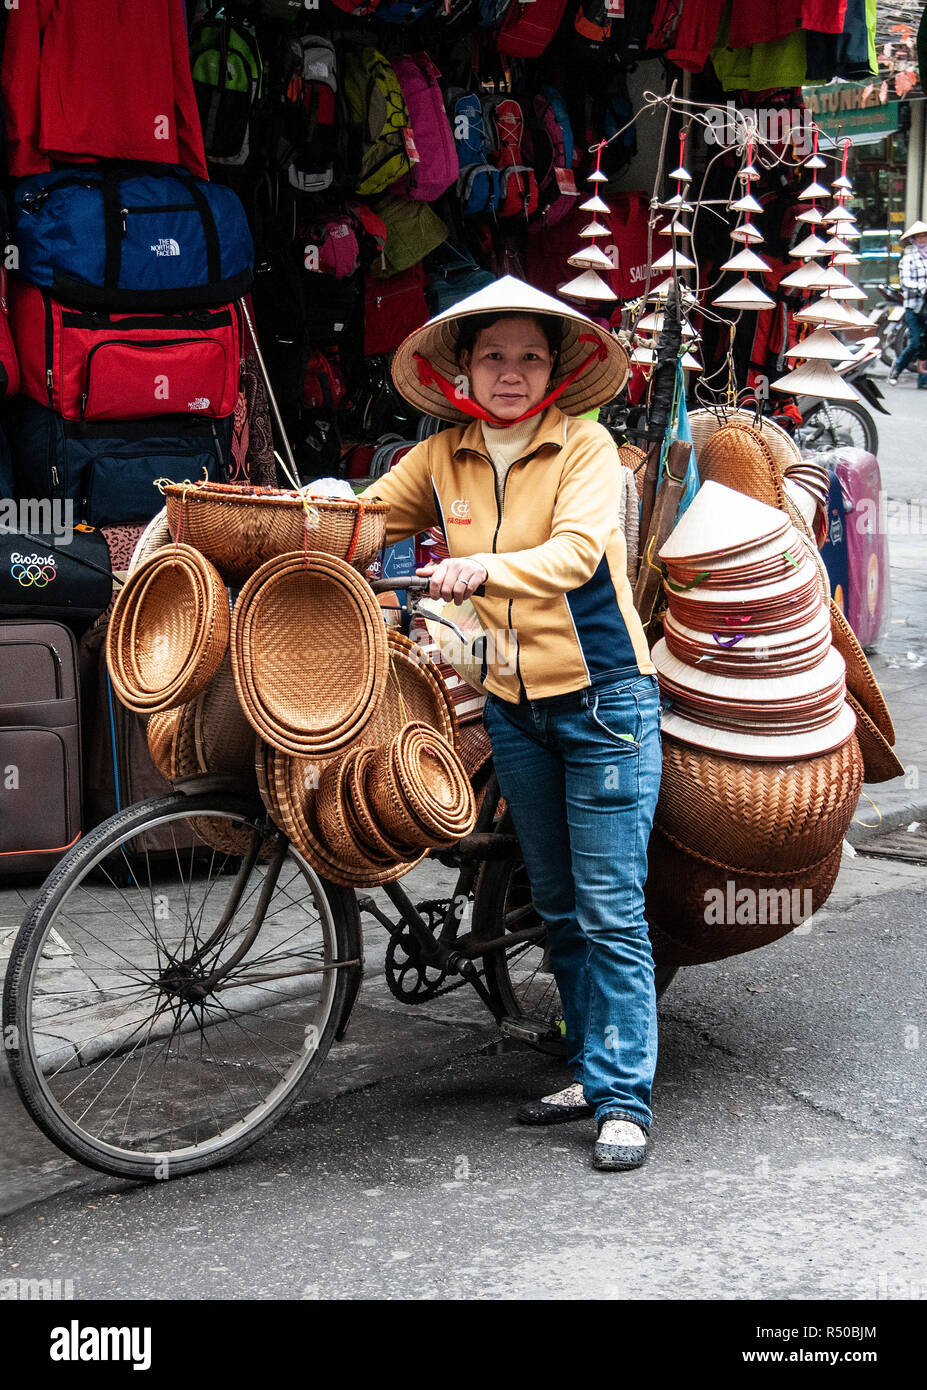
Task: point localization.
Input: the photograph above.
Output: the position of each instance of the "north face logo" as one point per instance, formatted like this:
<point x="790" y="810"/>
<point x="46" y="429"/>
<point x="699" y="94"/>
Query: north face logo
<point x="167" y="246"/>
<point x="198" y="403"/>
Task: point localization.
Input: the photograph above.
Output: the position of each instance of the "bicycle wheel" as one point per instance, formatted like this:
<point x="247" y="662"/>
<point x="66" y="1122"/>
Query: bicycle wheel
<point x="833" y="423"/>
<point x="519" y="978"/>
<point x="165" y="1008"/>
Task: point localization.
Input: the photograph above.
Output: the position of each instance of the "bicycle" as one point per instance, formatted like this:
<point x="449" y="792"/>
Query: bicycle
<point x="164" y="1008"/>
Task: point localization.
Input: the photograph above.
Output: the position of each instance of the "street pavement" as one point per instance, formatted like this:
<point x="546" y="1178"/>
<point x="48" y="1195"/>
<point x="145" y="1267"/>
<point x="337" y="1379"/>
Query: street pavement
<point x="788" y="1150"/>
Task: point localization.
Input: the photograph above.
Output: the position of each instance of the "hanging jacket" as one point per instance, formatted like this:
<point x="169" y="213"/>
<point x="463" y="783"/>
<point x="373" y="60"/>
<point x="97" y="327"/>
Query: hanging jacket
<point x="557" y="602"/>
<point x="99" y="79"/>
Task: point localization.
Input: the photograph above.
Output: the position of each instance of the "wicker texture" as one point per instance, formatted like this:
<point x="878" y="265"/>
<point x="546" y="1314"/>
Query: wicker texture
<point x="434" y="783"/>
<point x="169" y="631"/>
<point x="156" y="535"/>
<point x="634" y="458"/>
<point x="704" y="423"/>
<point x="676" y="889"/>
<point x="414" y="691"/>
<point x="239" y="527"/>
<point x="309" y="654"/>
<point x="755" y="815"/>
<point x="224" y="738"/>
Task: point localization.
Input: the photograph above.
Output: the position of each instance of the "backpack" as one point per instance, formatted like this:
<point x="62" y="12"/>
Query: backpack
<point x="393" y="309"/>
<point x="412" y="231"/>
<point x="593" y="21"/>
<point x="330" y="244"/>
<point x="518" y="187"/>
<point x="306" y="142"/>
<point x="552" y="156"/>
<point x="431" y="130"/>
<point x="377" y="131"/>
<point x="281" y="9"/>
<point x="454" y="280"/>
<point x="478" y="184"/>
<point x="491" y="13"/>
<point x="324" y="386"/>
<point x="529" y="26"/>
<point x="226" y="67"/>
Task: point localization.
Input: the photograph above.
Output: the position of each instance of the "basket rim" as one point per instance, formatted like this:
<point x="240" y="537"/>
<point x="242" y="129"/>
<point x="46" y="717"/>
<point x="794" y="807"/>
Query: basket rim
<point x="252" y="495"/>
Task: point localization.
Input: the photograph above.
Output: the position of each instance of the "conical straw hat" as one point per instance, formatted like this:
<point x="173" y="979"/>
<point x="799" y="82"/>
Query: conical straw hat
<point x="720" y="521"/>
<point x="436" y="341"/>
<point x="816" y="378"/>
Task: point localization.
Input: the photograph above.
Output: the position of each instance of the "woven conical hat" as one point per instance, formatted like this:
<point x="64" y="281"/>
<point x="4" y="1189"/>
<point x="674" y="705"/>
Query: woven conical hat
<point x="721" y="521"/>
<point x="437" y="342"/>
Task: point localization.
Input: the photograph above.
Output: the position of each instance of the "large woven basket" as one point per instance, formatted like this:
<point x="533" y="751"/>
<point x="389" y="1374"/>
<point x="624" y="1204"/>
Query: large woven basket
<point x="239" y="527"/>
<point x="740" y="458"/>
<point x="758" y="815"/>
<point x="880" y="761"/>
<point x="223" y="737"/>
<point x="160" y="732"/>
<point x="861" y="682"/>
<point x="414" y="691"/>
<point x="169" y="630"/>
<point x="309" y="654"/>
<point x="685" y="893"/>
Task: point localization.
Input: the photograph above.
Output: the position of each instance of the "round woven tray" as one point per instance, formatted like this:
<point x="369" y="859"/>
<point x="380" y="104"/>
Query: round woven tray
<point x="414" y="691"/>
<point x="169" y="630"/>
<point x="240" y="527"/>
<point x="684" y="893"/>
<point x="309" y="654"/>
<point x="367" y="834"/>
<point x="434" y="783"/>
<point x="387" y="801"/>
<point x="754" y="814"/>
<point x="224" y="738"/>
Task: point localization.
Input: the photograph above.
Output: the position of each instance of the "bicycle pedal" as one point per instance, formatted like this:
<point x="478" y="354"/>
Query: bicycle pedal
<point x="527" y="1030"/>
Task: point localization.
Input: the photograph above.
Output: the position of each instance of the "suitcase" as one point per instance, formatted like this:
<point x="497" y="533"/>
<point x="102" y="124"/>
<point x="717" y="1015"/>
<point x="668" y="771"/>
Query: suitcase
<point x="868" y="601"/>
<point x="40" y="746"/>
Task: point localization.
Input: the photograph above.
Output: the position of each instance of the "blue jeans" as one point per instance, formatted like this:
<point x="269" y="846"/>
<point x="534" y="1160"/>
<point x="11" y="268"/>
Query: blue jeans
<point x="581" y="774"/>
<point x="915" y="329"/>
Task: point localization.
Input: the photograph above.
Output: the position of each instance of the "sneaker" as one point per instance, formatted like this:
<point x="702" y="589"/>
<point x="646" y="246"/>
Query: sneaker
<point x="621" y="1145"/>
<point x="557" y="1109"/>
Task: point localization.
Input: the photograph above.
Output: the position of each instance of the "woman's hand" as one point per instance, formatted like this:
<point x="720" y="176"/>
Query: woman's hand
<point x="454" y="580"/>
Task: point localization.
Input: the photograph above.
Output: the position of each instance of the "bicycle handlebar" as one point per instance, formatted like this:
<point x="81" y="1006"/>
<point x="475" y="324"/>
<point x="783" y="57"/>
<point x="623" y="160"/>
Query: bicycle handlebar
<point x="414" y="583"/>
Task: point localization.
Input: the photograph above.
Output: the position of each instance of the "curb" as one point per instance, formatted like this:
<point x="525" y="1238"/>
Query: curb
<point x="862" y="831"/>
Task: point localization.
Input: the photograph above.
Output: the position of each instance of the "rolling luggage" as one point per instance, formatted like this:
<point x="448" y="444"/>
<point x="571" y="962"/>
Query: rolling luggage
<point x="40" y="746"/>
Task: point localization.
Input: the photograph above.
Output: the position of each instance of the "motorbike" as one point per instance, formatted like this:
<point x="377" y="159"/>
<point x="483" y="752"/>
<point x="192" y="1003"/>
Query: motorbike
<point x="889" y="324"/>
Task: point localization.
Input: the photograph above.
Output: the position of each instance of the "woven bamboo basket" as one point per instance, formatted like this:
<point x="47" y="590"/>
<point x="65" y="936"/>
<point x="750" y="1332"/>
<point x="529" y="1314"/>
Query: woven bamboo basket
<point x="156" y="535"/>
<point x="309" y="654"/>
<point x="169" y="631"/>
<point x="684" y="893"/>
<point x="705" y="423"/>
<point x="634" y="458"/>
<point x="367" y="834"/>
<point x="753" y="814"/>
<point x="224" y="739"/>
<point x="239" y="527"/>
<point x="388" y="803"/>
<point x="414" y="691"/>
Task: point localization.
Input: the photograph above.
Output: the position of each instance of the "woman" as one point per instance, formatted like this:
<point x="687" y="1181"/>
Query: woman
<point x="912" y="272"/>
<point x="527" y="496"/>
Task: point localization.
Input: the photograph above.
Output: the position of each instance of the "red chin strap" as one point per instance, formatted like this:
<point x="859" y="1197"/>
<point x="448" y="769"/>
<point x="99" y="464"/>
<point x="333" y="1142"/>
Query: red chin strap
<point x="429" y="375"/>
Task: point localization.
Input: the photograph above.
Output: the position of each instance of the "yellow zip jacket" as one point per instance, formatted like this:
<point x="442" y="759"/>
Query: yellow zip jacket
<point x="557" y="605"/>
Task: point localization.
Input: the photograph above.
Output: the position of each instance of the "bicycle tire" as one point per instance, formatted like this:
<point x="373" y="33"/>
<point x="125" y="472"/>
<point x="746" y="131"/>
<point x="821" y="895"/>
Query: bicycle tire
<point x="339" y="931"/>
<point x="491" y="911"/>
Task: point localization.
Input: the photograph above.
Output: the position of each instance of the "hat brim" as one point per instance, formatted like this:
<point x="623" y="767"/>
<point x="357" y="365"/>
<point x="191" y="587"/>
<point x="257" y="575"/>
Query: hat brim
<point x="437" y="341"/>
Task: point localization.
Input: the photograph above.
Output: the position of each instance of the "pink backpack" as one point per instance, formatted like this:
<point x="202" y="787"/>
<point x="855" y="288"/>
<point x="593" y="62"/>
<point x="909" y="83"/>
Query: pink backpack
<point x="529" y="26"/>
<point x="436" y="168"/>
<point x="557" y="183"/>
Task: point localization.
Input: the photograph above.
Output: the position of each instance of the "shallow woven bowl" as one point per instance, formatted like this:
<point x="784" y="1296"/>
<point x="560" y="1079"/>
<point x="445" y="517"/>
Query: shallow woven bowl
<point x="434" y="783"/>
<point x="389" y="803"/>
<point x="757" y="814"/>
<point x="361" y="814"/>
<point x="224" y="739"/>
<point x="682" y="889"/>
<point x="331" y="816"/>
<point x="296" y="803"/>
<point x="168" y="632"/>
<point x="309" y="654"/>
<point x="239" y="527"/>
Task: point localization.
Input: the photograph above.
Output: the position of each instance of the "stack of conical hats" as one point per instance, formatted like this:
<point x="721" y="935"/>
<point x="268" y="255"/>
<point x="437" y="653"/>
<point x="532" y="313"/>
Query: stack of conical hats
<point x="761" y="766"/>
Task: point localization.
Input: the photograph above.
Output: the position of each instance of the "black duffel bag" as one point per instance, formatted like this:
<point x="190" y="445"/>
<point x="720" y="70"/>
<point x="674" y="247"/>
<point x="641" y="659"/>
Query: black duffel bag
<point x="43" y="575"/>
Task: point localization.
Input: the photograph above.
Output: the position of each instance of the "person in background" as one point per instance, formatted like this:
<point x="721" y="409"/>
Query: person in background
<point x="912" y="273"/>
<point x="528" y="498"/>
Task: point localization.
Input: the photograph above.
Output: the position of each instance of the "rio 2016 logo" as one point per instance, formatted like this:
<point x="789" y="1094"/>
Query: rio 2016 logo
<point x="33" y="571"/>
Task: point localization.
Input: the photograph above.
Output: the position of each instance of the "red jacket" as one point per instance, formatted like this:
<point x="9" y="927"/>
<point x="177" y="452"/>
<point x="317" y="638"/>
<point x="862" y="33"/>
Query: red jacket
<point x="99" y="79"/>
